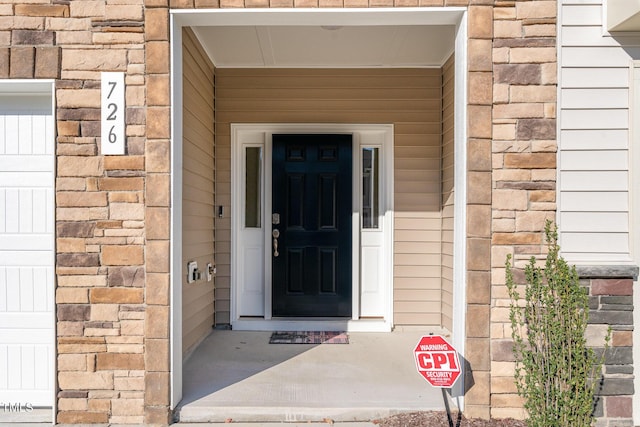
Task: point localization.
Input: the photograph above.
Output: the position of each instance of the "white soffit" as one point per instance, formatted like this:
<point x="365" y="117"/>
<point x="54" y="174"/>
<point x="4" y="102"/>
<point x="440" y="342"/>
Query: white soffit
<point x="330" y="46"/>
<point x="623" y="15"/>
<point x="330" y="37"/>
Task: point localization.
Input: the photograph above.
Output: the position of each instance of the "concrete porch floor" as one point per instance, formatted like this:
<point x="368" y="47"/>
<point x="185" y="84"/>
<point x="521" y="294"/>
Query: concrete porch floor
<point x="240" y="376"/>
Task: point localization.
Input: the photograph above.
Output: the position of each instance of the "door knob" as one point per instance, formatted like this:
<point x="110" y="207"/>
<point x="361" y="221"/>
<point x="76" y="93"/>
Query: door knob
<point x="275" y="233"/>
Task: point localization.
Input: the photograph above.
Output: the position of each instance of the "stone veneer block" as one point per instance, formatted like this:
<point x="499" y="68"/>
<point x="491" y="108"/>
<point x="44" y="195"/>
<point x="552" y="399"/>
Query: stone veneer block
<point x="479" y="121"/>
<point x="157" y="53"/>
<point x="120" y="184"/>
<point x="530" y="160"/>
<point x="158" y="93"/>
<point x="478" y="354"/>
<point x="479" y="220"/>
<point x="612" y="287"/>
<point x="157" y="220"/>
<point x="480" y="22"/>
<point x="4" y="62"/>
<point x="122" y="255"/>
<point x="124" y="162"/>
<point x="479" y="188"/>
<point x="47" y="64"/>
<point x="82" y="417"/>
<point x="158" y="119"/>
<point x="116" y="295"/>
<point x="157" y="156"/>
<point x="157" y="415"/>
<point x="479" y="155"/>
<point x="119" y="361"/>
<point x="478" y="321"/>
<point x="21" y="62"/>
<point x="158" y="190"/>
<point x="157" y="289"/>
<point x="85" y="380"/>
<point x="478" y="287"/>
<point x="480" y="392"/>
<point x="157" y="322"/>
<point x="479" y="55"/>
<point x="157" y="259"/>
<point x="480" y="88"/>
<point x="156" y="390"/>
<point x="156" y="23"/>
<point x="156" y="355"/>
<point x="518" y="74"/>
<point x="55" y="10"/>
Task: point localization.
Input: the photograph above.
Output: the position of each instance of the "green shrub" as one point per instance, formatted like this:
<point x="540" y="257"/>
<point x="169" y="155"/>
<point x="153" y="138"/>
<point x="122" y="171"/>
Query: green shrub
<point x="556" y="373"/>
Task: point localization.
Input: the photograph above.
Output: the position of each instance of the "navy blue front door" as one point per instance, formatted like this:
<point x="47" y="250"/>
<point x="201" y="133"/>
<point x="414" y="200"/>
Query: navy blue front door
<point x="312" y="206"/>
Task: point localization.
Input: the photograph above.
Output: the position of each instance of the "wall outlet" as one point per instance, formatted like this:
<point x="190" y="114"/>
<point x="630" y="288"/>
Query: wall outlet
<point x="209" y="272"/>
<point x="192" y="272"/>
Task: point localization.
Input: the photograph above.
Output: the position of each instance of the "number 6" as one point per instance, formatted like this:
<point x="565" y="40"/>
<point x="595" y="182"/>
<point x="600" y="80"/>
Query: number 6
<point x="112" y="136"/>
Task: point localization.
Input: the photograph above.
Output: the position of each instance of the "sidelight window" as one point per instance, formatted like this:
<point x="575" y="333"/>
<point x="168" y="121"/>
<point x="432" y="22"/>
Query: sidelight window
<point x="370" y="187"/>
<point x="253" y="187"/>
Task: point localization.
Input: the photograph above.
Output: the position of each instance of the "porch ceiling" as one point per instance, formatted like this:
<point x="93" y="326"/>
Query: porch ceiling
<point x="322" y="46"/>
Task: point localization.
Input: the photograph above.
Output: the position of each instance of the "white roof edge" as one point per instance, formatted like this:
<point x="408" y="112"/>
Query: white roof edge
<point x="333" y="16"/>
<point x="623" y="15"/>
<point x="26" y="86"/>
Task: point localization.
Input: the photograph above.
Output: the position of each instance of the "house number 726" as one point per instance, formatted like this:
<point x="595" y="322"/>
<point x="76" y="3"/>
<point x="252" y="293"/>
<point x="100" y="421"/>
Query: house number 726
<point x="112" y="117"/>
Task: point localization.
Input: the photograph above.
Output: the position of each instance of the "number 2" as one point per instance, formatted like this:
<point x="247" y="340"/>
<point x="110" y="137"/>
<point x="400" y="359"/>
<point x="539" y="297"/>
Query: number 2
<point x="112" y="114"/>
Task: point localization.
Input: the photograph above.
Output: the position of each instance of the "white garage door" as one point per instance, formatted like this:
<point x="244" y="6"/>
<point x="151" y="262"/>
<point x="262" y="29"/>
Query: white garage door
<point x="26" y="246"/>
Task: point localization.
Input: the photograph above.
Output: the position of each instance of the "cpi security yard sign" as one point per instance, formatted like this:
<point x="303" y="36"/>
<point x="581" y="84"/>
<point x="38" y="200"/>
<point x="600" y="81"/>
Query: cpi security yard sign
<point x="437" y="361"/>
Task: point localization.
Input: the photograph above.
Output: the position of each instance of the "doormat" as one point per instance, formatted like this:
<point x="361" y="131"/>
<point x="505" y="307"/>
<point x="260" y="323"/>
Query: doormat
<point x="309" y="337"/>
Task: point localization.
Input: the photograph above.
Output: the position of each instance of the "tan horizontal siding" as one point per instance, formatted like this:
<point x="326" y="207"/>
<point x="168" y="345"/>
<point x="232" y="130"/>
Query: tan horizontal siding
<point x="410" y="99"/>
<point x="197" y="190"/>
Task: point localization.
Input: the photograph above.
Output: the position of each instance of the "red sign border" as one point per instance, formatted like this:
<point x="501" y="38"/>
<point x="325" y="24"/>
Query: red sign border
<point x="416" y="350"/>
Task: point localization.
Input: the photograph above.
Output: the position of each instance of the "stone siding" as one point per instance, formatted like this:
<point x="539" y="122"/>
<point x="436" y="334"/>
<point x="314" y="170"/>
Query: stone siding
<point x="111" y="266"/>
<point x="611" y="306"/>
<point x="113" y="212"/>
<point x="523" y="182"/>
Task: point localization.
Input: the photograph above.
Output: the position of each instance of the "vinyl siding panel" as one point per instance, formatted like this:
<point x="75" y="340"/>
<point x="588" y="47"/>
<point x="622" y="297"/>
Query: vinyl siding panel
<point x="594" y="136"/>
<point x="408" y="98"/>
<point x="197" y="190"/>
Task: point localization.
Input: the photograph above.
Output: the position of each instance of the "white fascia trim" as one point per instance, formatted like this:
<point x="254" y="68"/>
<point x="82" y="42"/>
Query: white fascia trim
<point x="315" y="17"/>
<point x="559" y="124"/>
<point x="459" y="336"/>
<point x="634" y="215"/>
<point x="175" y="306"/>
<point x="27" y="87"/>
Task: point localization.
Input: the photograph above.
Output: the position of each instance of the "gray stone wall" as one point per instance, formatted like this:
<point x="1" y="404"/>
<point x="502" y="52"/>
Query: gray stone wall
<point x="611" y="305"/>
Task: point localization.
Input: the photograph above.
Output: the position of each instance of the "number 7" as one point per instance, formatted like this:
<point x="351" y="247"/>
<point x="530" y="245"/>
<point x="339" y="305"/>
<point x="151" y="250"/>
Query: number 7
<point x="113" y="86"/>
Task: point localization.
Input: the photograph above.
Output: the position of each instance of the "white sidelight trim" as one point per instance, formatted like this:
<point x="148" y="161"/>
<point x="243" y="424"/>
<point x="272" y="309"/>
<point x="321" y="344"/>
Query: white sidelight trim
<point x="247" y="312"/>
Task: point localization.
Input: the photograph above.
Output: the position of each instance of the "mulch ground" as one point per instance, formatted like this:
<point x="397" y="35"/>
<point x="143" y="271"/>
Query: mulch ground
<point x="440" y="419"/>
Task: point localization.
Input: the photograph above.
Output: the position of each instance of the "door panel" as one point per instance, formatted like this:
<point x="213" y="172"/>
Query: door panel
<point x="26" y="256"/>
<point x="312" y="193"/>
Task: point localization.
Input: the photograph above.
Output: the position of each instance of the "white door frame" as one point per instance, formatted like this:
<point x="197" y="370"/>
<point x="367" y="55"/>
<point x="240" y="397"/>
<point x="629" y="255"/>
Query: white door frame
<point x="339" y="16"/>
<point x="254" y="135"/>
